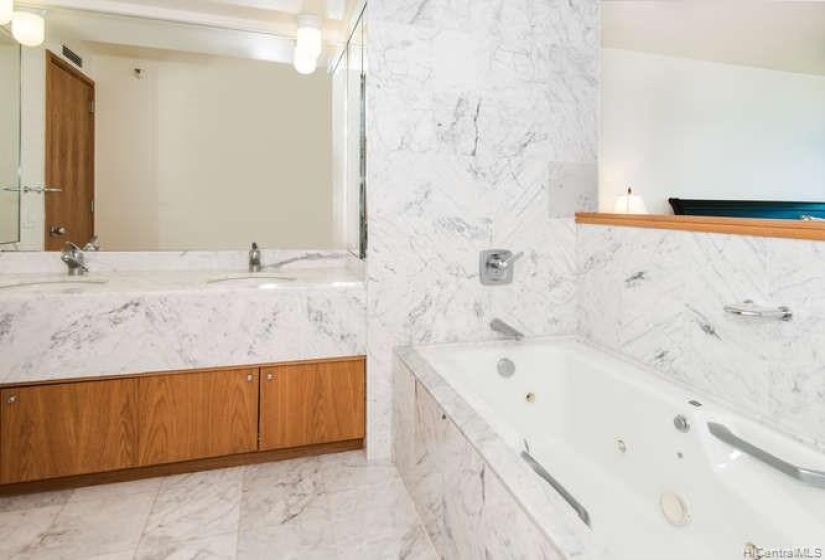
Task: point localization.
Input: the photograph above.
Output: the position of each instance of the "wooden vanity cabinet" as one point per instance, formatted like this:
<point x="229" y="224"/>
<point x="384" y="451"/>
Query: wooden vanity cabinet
<point x="86" y="432"/>
<point x="67" y="429"/>
<point x="312" y="403"/>
<point x="197" y="415"/>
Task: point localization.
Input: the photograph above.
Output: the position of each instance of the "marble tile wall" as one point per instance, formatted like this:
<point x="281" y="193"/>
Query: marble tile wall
<point x="658" y="296"/>
<point x="482" y="127"/>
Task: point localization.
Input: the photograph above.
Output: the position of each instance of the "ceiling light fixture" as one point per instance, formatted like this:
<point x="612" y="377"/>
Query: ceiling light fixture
<point x="28" y="28"/>
<point x="304" y="62"/>
<point x="6" y="11"/>
<point x="309" y="37"/>
<point x="309" y="43"/>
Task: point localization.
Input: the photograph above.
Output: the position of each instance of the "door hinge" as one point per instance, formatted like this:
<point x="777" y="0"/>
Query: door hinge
<point x="92" y="107"/>
<point x="93" y="206"/>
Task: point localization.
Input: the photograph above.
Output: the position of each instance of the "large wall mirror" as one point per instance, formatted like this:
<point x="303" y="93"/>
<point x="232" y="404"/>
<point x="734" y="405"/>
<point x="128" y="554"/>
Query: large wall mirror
<point x="713" y="108"/>
<point x="9" y="138"/>
<point x="167" y="135"/>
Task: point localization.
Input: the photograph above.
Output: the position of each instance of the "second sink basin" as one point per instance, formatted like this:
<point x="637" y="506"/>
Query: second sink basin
<point x="261" y="280"/>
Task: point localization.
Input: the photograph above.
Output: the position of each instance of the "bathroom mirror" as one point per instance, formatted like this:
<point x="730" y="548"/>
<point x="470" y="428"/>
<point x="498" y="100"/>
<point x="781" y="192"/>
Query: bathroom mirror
<point x="719" y="105"/>
<point x="9" y="138"/>
<point x="167" y="135"/>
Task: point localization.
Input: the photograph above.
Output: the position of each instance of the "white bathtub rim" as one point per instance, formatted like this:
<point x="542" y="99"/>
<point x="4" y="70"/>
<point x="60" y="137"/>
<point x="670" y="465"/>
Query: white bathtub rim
<point x="553" y="516"/>
<point x="718" y="403"/>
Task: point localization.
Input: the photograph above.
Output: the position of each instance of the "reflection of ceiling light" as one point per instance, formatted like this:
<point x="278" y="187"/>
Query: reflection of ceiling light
<point x="309" y="38"/>
<point x="29" y="29"/>
<point x="6" y="11"/>
<point x="304" y="62"/>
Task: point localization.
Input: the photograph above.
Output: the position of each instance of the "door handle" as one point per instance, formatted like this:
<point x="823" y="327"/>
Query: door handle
<point x="57" y="231"/>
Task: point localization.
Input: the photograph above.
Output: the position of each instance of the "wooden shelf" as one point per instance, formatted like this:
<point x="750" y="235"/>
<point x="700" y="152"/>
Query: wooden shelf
<point x="791" y="229"/>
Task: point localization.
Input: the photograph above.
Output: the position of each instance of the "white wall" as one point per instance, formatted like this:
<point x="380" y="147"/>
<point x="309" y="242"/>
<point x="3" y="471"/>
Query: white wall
<point x="211" y="152"/>
<point x="674" y="127"/>
<point x="9" y="137"/>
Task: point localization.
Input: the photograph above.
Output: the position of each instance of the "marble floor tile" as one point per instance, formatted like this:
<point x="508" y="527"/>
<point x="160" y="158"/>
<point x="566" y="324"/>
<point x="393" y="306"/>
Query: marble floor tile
<point x="321" y="508"/>
<point x="85" y="529"/>
<point x="194" y="506"/>
<point x="31" y="501"/>
<point x="131" y="488"/>
<point x="351" y="471"/>
<point x="20" y="530"/>
<point x="218" y="547"/>
<point x="371" y="514"/>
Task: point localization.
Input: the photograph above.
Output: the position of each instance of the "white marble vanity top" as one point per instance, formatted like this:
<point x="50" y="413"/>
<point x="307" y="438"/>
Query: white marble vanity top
<point x="28" y="285"/>
<point x="124" y="318"/>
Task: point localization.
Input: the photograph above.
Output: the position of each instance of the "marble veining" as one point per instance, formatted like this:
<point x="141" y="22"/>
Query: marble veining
<point x="157" y="321"/>
<point x="475" y="496"/>
<point x="297" y="509"/>
<point x="482" y="119"/>
<point x="657" y="296"/>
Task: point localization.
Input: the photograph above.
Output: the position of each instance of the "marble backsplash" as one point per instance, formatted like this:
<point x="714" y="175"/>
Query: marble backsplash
<point x="657" y="296"/>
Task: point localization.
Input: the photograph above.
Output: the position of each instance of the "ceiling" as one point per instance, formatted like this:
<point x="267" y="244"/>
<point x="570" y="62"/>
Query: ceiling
<point x="260" y="29"/>
<point x="780" y="35"/>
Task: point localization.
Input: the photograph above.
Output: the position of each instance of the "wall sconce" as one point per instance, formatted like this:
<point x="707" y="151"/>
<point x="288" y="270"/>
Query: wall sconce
<point x="630" y="204"/>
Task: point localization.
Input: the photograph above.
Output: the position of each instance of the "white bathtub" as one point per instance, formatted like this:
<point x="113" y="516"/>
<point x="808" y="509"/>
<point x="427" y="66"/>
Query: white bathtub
<point x="604" y="430"/>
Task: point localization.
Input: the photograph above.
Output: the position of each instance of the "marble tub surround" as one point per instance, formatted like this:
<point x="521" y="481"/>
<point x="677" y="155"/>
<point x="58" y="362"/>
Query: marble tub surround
<point x="155" y="321"/>
<point x="333" y="507"/>
<point x="482" y="120"/>
<point x="657" y="296"/>
<point x="475" y="496"/>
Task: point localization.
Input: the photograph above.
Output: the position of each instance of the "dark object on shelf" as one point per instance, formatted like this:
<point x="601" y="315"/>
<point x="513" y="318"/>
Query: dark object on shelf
<point x="765" y="209"/>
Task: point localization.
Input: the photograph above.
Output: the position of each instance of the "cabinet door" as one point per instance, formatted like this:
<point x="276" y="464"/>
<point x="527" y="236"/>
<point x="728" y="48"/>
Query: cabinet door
<point x="197" y="415"/>
<point x="305" y="404"/>
<point x="68" y="429"/>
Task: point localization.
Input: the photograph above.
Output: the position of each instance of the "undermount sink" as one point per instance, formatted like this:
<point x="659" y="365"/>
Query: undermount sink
<point x="66" y="285"/>
<point x="261" y="280"/>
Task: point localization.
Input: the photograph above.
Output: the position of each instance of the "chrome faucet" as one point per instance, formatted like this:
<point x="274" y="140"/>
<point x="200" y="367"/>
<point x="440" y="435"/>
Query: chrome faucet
<point x="507" y="330"/>
<point x="74" y="258"/>
<point x="255" y="261"/>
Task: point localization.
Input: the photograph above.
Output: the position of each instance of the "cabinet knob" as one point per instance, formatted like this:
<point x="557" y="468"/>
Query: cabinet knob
<point x="249" y="377"/>
<point x="12" y="399"/>
<point x="269" y="377"/>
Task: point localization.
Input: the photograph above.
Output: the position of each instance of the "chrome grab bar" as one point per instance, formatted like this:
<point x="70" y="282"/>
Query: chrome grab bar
<point x="548" y="478"/>
<point x="748" y="309"/>
<point x="806" y="476"/>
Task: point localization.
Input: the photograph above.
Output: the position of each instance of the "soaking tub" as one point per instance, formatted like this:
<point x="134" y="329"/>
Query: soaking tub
<point x="646" y="468"/>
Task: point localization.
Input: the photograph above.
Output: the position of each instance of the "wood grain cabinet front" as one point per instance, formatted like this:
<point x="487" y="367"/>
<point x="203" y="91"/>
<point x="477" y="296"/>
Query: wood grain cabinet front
<point x="189" y="416"/>
<point x="67" y="429"/>
<point x="312" y="403"/>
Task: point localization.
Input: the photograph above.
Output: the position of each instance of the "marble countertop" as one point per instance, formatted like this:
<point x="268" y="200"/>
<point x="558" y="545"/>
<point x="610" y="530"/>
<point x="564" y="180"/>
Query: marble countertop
<point x="28" y="285"/>
<point x="121" y="321"/>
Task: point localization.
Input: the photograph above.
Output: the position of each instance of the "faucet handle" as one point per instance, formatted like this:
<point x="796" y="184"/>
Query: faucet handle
<point x="506" y="262"/>
<point x="495" y="266"/>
